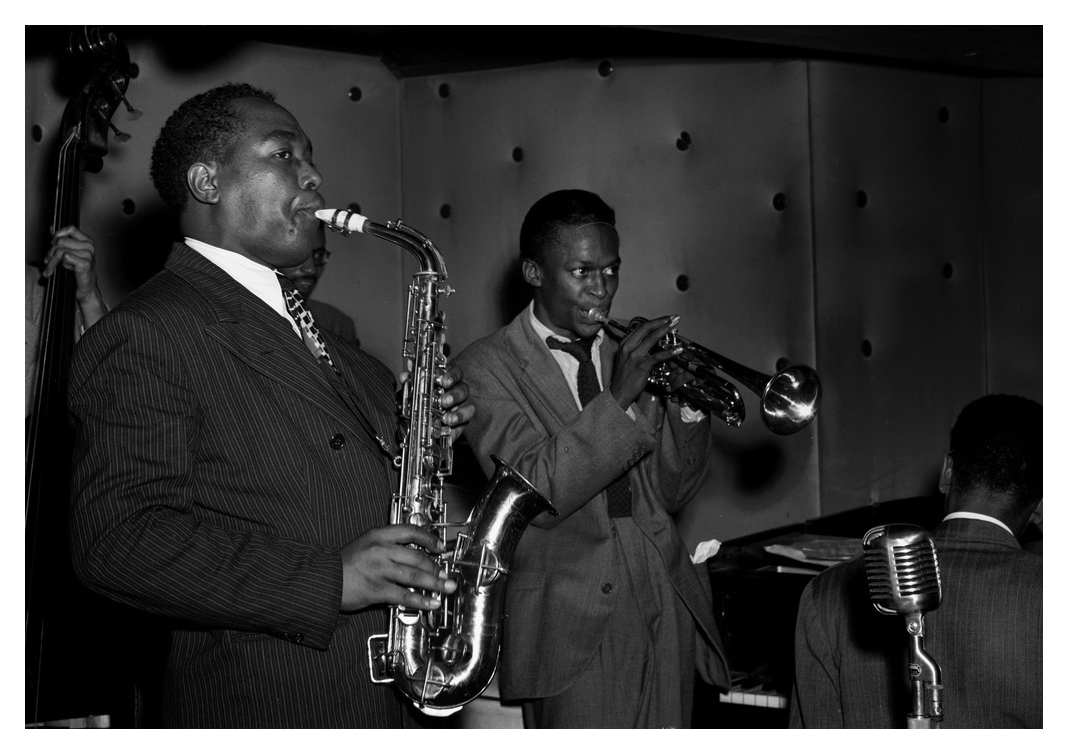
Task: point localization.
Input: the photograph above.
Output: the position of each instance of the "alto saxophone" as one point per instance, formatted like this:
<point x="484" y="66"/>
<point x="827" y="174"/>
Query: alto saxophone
<point x="444" y="658"/>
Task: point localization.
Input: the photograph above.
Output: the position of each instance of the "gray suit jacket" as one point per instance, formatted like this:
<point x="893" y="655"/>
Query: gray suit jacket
<point x="218" y="473"/>
<point x="559" y="596"/>
<point x="986" y="637"/>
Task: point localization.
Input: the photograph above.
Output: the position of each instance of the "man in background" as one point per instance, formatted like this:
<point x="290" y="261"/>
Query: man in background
<point x="986" y="636"/>
<point x="305" y="276"/>
<point x="75" y="251"/>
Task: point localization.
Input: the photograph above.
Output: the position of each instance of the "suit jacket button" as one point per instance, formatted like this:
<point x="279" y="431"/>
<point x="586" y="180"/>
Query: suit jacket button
<point x="606" y="588"/>
<point x="337" y="442"/>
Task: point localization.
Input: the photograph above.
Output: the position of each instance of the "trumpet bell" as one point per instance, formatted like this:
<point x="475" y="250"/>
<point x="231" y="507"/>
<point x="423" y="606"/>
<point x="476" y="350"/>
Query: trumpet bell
<point x="790" y="399"/>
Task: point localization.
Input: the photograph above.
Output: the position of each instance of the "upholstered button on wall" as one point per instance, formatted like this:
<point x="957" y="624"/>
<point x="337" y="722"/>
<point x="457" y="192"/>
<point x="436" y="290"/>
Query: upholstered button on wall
<point x="862" y="199"/>
<point x="682" y="282"/>
<point x="517" y="154"/>
<point x="605" y="69"/>
<point x="683" y="142"/>
<point x="865" y="347"/>
<point x="337" y="442"/>
<point x="779" y="202"/>
<point x="444" y="91"/>
<point x="606" y="588"/>
<point x="355" y="94"/>
<point x="129" y="206"/>
<point x="445" y="211"/>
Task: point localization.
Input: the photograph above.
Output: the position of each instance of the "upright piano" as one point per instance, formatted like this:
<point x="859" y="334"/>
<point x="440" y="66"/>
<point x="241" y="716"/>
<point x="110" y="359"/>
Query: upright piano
<point x="757" y="582"/>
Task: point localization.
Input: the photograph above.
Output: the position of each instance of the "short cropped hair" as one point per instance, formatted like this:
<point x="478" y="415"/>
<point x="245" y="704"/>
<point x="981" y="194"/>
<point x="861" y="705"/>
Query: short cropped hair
<point x="202" y="129"/>
<point x="996" y="444"/>
<point x="560" y="209"/>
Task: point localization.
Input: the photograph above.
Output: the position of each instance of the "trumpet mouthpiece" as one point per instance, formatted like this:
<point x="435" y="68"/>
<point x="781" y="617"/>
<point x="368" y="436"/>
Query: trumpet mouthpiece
<point x="597" y="314"/>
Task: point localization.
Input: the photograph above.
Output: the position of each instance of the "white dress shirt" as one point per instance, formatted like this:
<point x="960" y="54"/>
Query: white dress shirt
<point x="259" y="279"/>
<point x="978" y="517"/>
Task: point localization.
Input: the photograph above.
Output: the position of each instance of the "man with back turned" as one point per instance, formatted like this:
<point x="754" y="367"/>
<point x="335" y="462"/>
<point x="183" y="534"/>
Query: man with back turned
<point x="607" y="616"/>
<point x="232" y="472"/>
<point x="985" y="636"/>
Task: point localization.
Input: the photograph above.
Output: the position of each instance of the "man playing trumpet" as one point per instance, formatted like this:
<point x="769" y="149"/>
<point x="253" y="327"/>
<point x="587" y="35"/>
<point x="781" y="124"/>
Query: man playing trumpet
<point x="607" y="616"/>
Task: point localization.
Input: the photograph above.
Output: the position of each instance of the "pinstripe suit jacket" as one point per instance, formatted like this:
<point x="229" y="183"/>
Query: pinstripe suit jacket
<point x="556" y="605"/>
<point x="218" y="473"/>
<point x="986" y="637"/>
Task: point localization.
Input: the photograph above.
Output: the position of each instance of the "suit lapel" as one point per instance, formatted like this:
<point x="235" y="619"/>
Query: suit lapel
<point x="548" y="386"/>
<point x="257" y="336"/>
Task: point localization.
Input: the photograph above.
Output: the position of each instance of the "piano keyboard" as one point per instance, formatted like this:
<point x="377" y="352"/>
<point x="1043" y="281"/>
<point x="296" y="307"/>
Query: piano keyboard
<point x="768" y="699"/>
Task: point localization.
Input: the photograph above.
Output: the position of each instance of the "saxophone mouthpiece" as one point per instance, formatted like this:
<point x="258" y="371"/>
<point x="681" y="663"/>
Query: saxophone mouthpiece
<point x="343" y="221"/>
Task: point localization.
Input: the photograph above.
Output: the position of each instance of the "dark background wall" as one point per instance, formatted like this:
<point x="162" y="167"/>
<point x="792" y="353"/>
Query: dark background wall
<point x="837" y="196"/>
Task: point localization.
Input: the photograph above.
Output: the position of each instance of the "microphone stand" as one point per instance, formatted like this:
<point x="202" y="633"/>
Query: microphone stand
<point x="903" y="579"/>
<point x="926" y="679"/>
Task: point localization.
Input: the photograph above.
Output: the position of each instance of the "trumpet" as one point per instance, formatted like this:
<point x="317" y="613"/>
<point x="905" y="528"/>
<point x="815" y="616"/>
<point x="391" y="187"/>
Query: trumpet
<point x="789" y="399"/>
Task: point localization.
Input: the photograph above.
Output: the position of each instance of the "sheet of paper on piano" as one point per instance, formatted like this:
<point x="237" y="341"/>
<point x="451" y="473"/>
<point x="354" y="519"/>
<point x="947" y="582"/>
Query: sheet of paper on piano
<point x="824" y="551"/>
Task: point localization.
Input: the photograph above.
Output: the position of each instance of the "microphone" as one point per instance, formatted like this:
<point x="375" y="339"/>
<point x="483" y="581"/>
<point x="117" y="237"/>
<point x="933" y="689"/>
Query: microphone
<point x="902" y="567"/>
<point x="904" y="579"/>
<point x="344" y="221"/>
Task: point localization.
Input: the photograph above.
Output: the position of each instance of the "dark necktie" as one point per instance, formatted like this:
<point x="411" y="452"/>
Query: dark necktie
<point x="618" y="492"/>
<point x="300" y="314"/>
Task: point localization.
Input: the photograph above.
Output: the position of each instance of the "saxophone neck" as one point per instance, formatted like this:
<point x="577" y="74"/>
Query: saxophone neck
<point x="347" y="222"/>
<point x="417" y="243"/>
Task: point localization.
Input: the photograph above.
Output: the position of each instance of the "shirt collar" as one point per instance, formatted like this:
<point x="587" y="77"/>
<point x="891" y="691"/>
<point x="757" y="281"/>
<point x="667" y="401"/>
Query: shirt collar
<point x="259" y="279"/>
<point x="978" y="517"/>
<point x="544" y="333"/>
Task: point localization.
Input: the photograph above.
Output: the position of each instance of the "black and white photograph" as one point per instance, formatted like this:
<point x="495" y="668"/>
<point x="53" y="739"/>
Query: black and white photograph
<point x="434" y="377"/>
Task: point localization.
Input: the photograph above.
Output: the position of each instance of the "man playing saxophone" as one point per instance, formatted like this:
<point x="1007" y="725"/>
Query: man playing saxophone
<point x="234" y="464"/>
<point x="607" y="617"/>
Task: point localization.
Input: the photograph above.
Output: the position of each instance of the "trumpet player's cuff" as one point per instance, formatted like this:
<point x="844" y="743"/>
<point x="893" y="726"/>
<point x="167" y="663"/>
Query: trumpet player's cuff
<point x="690" y="416"/>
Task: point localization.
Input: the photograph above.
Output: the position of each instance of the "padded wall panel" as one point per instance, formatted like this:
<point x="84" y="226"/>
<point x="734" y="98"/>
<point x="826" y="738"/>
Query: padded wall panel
<point x="706" y="212"/>
<point x="901" y="274"/>
<point x="356" y="149"/>
<point x="1012" y="182"/>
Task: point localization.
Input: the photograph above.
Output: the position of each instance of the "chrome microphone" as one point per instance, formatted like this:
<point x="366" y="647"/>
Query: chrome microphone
<point x="904" y="579"/>
<point x="902" y="566"/>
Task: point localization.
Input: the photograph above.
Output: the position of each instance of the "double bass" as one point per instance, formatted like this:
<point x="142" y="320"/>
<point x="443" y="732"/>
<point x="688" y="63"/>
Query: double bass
<point x="70" y="668"/>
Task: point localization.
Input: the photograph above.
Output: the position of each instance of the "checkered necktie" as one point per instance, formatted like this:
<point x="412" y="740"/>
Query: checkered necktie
<point x="299" y="312"/>
<point x="618" y="492"/>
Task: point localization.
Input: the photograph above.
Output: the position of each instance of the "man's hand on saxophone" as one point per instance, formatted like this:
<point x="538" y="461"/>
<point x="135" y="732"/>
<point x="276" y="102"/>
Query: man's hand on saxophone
<point x="459" y="412"/>
<point x="381" y="567"/>
<point x="454" y="398"/>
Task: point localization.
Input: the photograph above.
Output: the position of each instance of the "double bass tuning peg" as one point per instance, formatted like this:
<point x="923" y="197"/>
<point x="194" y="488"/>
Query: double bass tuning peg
<point x="132" y="113"/>
<point x="119" y="135"/>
